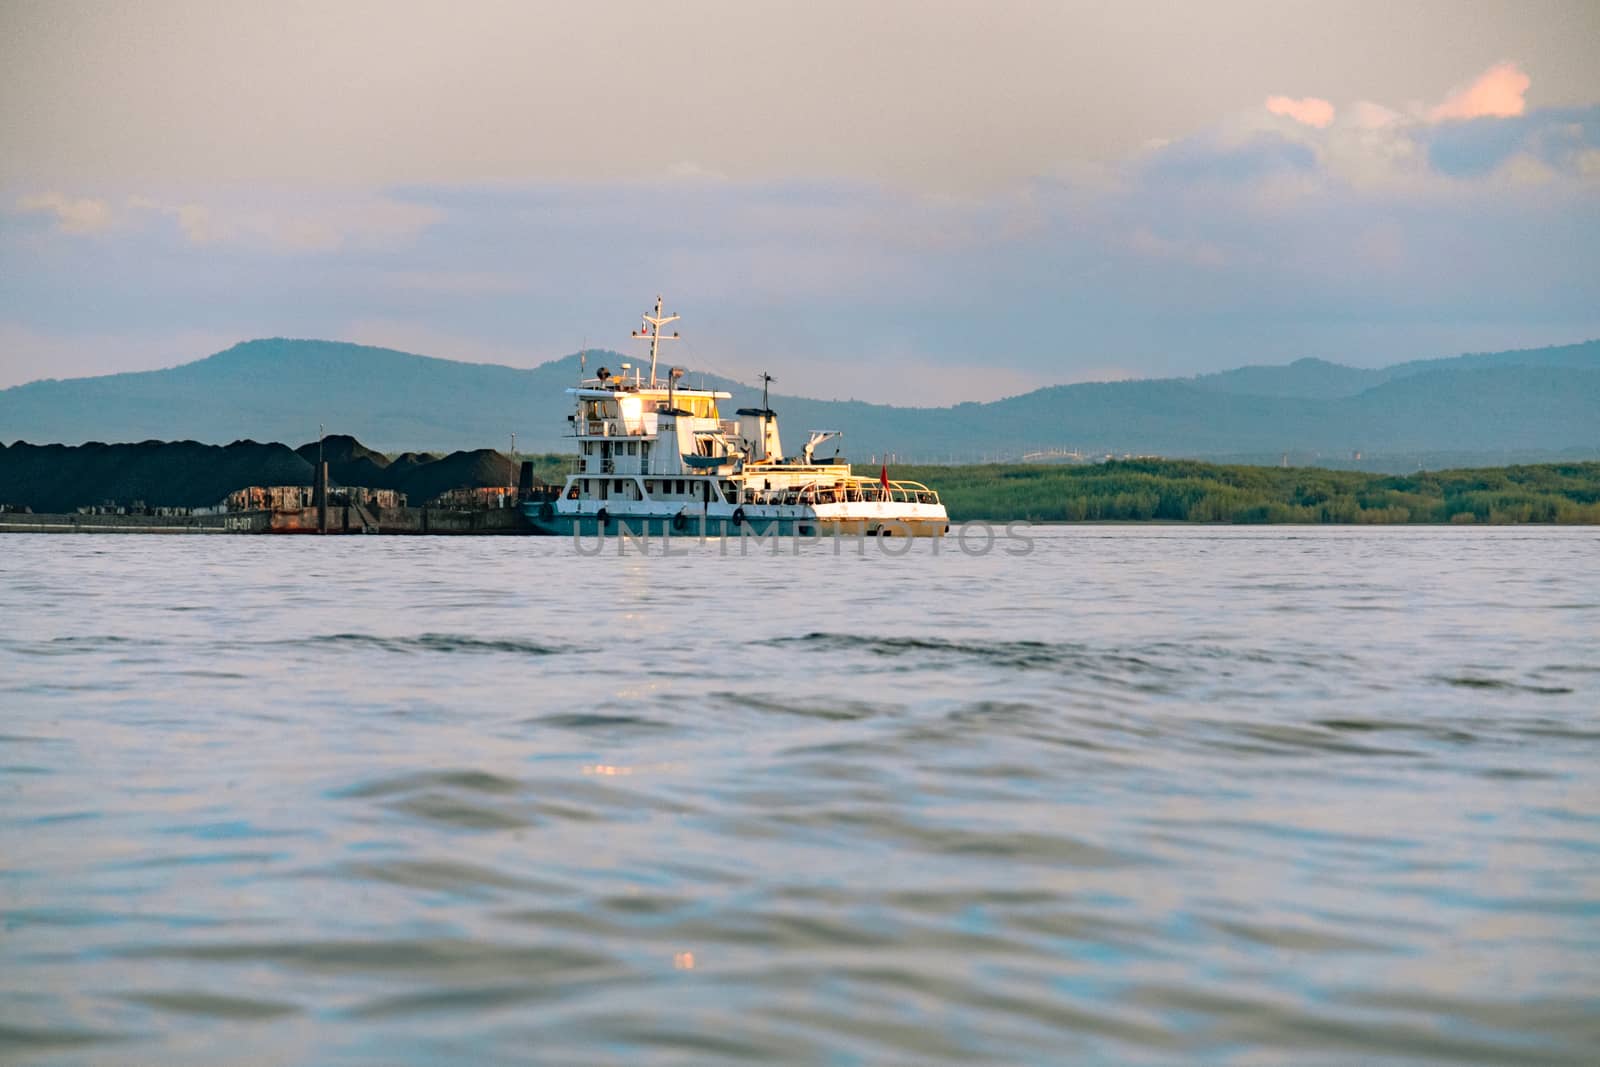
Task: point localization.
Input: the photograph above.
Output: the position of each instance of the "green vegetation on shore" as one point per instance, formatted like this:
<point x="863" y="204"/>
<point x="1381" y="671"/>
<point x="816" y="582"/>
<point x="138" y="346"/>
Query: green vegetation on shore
<point x="1188" y="491"/>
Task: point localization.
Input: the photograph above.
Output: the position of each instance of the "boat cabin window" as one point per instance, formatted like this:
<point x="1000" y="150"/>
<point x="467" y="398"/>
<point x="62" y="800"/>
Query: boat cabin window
<point x="701" y="407"/>
<point x="649" y="486"/>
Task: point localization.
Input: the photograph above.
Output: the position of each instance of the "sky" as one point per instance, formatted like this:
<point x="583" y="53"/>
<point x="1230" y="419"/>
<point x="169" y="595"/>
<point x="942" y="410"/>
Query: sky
<point x="916" y="203"/>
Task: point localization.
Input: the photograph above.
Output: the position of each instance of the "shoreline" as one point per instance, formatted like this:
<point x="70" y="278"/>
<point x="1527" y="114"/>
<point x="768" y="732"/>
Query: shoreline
<point x="463" y="526"/>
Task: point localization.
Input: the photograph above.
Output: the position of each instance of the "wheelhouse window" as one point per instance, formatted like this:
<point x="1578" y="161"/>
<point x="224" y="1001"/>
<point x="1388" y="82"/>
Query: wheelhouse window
<point x="701" y="407"/>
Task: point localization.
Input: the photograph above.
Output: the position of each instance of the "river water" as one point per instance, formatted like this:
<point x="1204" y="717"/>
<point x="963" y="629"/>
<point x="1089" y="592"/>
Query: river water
<point x="1142" y="794"/>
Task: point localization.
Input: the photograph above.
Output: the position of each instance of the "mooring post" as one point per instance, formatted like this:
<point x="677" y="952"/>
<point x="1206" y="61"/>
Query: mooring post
<point x="322" y="498"/>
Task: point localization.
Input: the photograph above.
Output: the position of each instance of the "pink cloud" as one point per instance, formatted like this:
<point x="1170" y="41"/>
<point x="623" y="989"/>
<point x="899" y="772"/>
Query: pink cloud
<point x="1498" y="91"/>
<point x="1310" y="110"/>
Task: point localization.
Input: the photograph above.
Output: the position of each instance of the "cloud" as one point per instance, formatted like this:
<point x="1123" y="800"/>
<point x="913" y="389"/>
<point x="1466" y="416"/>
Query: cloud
<point x="377" y="220"/>
<point x="304" y="227"/>
<point x="81" y="215"/>
<point x="1523" y="169"/>
<point x="949" y="97"/>
<point x="1556" y="139"/>
<point x="1483" y="131"/>
<point x="1497" y="92"/>
<point x="1175" y="269"/>
<point x="193" y="219"/>
<point x="1226" y="160"/>
<point x="1378" y="234"/>
<point x="1365" y="115"/>
<point x="1310" y="110"/>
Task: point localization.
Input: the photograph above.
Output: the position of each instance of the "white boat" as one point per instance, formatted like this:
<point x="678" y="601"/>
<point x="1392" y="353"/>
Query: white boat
<point x="658" y="458"/>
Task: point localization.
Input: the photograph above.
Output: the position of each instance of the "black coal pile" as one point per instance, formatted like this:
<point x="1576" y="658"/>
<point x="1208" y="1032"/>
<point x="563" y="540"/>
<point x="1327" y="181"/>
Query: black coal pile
<point x="349" y="461"/>
<point x="61" y="478"/>
<point x="458" y="470"/>
<point x="420" y="475"/>
<point x="58" y="478"/>
<point x="406" y="462"/>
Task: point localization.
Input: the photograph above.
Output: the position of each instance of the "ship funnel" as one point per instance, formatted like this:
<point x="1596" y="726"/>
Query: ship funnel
<point x="759" y="428"/>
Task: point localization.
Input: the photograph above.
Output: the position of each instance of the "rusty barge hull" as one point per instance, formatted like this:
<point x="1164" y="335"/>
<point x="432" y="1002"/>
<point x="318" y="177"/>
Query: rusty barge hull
<point x="306" y="521"/>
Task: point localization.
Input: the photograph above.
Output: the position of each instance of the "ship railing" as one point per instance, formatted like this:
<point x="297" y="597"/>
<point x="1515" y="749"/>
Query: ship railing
<point x="606" y="428"/>
<point x="855" y="491"/>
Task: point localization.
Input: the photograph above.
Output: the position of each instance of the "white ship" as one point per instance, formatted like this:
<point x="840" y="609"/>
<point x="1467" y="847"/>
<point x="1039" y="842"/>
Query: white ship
<point x="657" y="458"/>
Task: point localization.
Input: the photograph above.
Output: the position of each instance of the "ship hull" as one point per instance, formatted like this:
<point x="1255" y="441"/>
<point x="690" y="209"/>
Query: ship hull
<point x="548" y="522"/>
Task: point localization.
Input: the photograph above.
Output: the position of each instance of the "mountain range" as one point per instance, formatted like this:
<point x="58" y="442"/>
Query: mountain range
<point x="1523" y="405"/>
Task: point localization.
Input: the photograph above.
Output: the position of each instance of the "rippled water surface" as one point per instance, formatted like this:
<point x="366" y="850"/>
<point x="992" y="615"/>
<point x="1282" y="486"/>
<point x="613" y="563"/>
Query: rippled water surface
<point x="1145" y="794"/>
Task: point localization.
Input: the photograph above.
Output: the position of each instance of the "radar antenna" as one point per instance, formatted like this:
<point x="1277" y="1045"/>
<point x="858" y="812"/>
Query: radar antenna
<point x="652" y="330"/>
<point x="765" y="380"/>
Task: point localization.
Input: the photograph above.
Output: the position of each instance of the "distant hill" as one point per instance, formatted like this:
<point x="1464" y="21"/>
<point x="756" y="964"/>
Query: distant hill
<point x="281" y="390"/>
<point x="1318" y="379"/>
<point x="1484" y="408"/>
<point x="1312" y="379"/>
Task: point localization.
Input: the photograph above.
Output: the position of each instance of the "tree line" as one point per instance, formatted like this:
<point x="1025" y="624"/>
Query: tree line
<point x="1141" y="490"/>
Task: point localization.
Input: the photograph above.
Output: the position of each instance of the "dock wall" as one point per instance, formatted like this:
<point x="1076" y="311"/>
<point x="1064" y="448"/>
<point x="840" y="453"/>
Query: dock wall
<point x="233" y="522"/>
<point x="339" y="519"/>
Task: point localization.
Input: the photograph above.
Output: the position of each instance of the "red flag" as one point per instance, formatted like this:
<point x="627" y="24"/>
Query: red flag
<point x="883" y="477"/>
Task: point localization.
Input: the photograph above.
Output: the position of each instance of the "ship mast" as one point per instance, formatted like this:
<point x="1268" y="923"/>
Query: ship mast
<point x="652" y="330"/>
